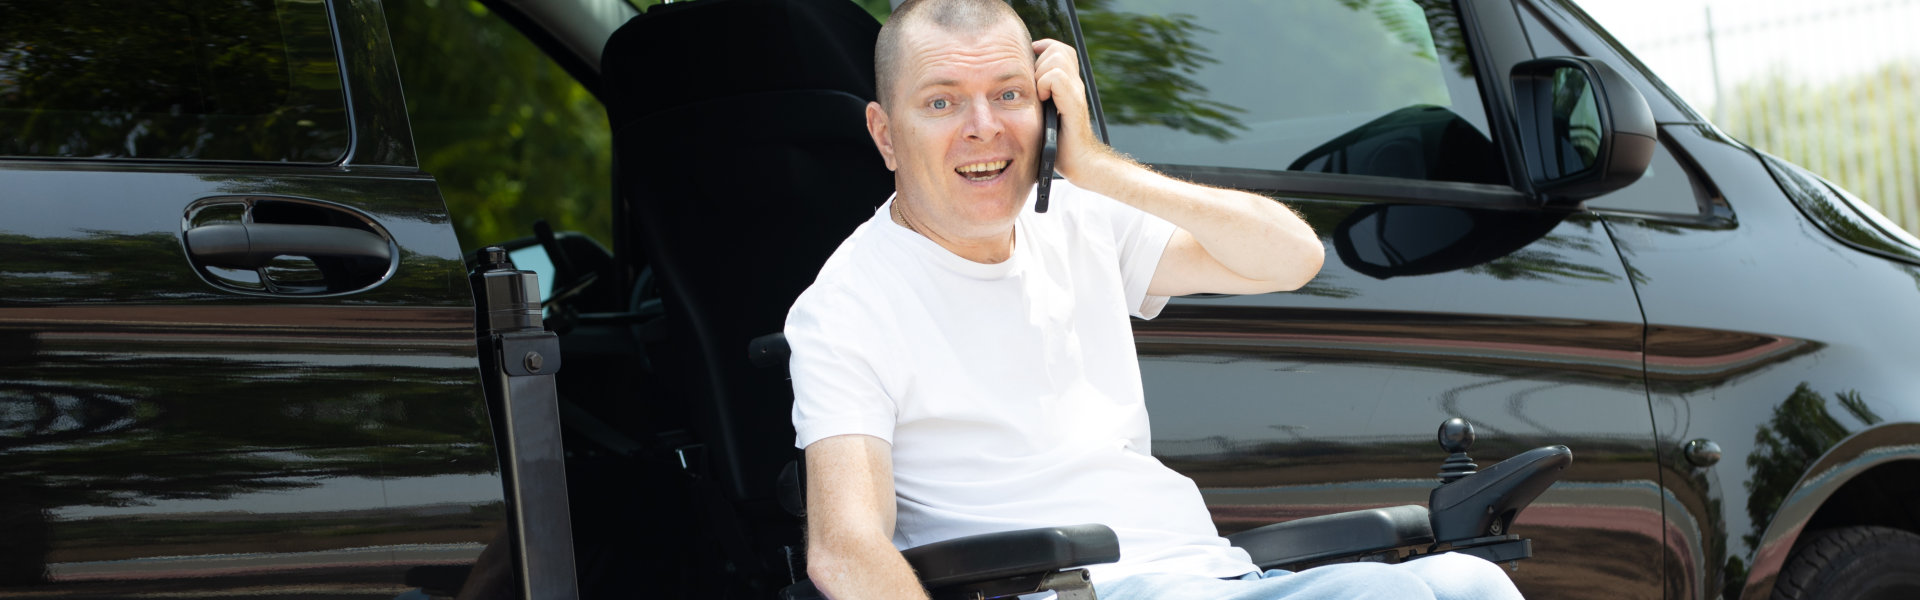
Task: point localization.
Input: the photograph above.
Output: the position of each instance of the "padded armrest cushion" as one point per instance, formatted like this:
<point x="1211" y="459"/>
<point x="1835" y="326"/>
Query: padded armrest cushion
<point x="992" y="556"/>
<point x="1335" y="535"/>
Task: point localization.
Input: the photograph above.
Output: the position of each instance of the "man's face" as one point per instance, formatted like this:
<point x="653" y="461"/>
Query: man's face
<point x="964" y="127"/>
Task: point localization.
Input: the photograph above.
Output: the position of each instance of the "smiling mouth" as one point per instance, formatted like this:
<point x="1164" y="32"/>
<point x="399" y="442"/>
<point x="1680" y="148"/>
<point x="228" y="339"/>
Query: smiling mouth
<point x="983" y="171"/>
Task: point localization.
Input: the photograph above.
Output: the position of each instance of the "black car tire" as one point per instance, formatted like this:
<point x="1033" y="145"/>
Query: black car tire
<point x="1864" y="562"/>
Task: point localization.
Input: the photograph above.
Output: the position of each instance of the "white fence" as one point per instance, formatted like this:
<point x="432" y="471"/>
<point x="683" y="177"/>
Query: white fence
<point x="1833" y="86"/>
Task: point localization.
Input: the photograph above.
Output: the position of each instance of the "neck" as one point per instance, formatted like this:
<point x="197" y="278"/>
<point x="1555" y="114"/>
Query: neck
<point x="992" y="248"/>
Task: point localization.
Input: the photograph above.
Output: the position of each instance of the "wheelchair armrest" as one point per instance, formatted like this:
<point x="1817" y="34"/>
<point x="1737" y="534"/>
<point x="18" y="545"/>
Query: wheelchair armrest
<point x="1485" y="503"/>
<point x="769" y="351"/>
<point x="1336" y="535"/>
<point x="1002" y="564"/>
<point x="989" y="556"/>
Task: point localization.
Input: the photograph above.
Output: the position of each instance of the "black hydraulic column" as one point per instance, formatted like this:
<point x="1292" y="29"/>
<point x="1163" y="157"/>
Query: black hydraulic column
<point x="518" y="359"/>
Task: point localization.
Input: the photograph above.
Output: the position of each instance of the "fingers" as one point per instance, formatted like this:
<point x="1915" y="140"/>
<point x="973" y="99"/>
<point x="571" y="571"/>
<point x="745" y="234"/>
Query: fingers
<point x="1054" y="57"/>
<point x="1057" y="78"/>
<point x="1041" y="45"/>
<point x="1060" y="86"/>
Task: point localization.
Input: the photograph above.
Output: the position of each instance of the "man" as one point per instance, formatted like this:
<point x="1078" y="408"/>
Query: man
<point x="962" y="365"/>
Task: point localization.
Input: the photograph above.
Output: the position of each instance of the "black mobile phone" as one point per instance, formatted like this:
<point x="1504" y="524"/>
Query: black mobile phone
<point x="1049" y="147"/>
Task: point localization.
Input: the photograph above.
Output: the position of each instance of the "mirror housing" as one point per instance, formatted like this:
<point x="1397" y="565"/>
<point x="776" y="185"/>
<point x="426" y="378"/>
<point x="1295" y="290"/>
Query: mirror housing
<point x="1584" y="130"/>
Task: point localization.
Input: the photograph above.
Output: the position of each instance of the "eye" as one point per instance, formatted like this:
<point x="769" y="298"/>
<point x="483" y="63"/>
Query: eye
<point x="938" y="104"/>
<point x="1009" y="95"/>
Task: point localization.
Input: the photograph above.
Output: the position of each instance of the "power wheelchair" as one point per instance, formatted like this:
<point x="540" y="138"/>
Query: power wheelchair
<point x="1470" y="512"/>
<point x="1479" y="507"/>
<point x="781" y="88"/>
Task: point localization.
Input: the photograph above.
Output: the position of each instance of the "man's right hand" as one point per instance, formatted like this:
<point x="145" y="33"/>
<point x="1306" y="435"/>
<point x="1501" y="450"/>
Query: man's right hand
<point x="850" y="512"/>
<point x="1057" y="79"/>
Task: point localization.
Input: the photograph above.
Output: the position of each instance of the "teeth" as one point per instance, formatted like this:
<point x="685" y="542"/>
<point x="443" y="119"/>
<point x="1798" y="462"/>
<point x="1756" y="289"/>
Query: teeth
<point x="983" y="167"/>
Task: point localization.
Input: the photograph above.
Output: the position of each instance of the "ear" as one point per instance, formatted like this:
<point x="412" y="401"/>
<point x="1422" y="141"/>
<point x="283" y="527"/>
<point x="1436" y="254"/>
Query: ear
<point x="882" y="134"/>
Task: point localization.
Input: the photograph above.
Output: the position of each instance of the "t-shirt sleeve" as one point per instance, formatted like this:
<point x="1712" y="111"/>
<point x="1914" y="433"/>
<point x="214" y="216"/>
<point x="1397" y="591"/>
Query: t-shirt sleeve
<point x="1139" y="239"/>
<point x="837" y="388"/>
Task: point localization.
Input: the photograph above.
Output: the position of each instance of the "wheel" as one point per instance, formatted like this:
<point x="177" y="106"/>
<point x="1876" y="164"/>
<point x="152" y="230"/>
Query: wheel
<point x="1863" y="562"/>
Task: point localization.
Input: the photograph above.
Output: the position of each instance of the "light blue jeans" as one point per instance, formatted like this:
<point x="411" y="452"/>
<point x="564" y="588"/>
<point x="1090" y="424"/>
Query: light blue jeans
<point x="1450" y="576"/>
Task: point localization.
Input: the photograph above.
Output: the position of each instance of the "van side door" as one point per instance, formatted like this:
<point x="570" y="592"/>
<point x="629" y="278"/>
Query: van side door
<point x="236" y="336"/>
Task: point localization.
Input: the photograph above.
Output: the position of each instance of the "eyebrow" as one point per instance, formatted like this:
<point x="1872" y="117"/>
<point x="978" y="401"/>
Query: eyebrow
<point x="954" y="82"/>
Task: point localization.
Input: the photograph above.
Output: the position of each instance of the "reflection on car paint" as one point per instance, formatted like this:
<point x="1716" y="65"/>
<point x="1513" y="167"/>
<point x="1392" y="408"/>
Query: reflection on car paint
<point x="1746" y="348"/>
<point x="1283" y="406"/>
<point x="160" y="432"/>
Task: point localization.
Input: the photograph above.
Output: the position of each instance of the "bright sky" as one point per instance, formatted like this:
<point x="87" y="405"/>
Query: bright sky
<point x="1809" y="40"/>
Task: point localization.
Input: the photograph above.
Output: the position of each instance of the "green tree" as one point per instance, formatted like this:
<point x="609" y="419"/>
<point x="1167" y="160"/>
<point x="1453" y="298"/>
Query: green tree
<point x="511" y="137"/>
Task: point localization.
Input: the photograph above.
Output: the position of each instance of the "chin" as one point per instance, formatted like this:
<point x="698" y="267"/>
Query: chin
<point x="1000" y="208"/>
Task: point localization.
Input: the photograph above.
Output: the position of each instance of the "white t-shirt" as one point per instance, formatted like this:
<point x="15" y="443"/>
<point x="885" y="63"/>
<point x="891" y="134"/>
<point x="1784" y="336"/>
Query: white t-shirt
<point x="1010" y="392"/>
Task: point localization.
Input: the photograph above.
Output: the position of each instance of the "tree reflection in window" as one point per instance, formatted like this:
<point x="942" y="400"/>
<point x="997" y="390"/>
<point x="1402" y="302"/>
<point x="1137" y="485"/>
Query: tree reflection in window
<point x="1372" y="87"/>
<point x="252" y="80"/>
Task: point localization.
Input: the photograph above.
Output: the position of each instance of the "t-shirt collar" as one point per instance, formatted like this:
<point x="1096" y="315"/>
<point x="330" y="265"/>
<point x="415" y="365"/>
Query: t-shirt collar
<point x="944" y="258"/>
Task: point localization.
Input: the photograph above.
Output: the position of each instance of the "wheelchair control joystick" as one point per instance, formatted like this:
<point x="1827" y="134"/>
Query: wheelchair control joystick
<point x="1456" y="437"/>
<point x="1471" y="511"/>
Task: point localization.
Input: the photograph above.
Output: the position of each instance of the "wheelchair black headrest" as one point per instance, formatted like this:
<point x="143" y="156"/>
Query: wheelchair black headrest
<point x="688" y="52"/>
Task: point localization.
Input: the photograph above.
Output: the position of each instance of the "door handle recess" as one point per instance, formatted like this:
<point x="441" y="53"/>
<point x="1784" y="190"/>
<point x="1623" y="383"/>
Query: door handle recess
<point x="253" y="245"/>
<point x="286" y="246"/>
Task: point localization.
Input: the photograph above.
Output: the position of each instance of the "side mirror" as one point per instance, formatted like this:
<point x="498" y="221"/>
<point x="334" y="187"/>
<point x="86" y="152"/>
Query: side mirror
<point x="1584" y="129"/>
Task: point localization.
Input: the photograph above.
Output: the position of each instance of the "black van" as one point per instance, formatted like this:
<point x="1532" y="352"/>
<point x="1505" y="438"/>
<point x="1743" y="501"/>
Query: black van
<point x="242" y="352"/>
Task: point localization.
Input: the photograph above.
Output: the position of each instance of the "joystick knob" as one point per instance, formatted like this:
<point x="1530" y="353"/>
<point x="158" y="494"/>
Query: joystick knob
<point x="1456" y="436"/>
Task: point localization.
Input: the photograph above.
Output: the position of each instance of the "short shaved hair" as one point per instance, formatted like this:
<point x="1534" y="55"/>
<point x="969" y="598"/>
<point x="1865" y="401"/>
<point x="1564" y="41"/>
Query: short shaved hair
<point x="966" y="16"/>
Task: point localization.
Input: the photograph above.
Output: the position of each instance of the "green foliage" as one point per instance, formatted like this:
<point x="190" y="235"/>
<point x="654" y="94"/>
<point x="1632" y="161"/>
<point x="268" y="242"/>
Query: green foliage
<point x="510" y="136"/>
<point x="878" y="8"/>
<point x="1145" y="65"/>
<point x="1861" y="132"/>
<point x="170" y="79"/>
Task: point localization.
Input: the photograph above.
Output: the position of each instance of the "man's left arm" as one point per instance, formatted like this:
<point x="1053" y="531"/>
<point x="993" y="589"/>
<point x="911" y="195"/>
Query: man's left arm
<point x="1225" y="241"/>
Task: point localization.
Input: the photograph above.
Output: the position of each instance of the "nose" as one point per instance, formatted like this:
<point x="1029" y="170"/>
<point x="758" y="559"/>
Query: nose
<point x="983" y="122"/>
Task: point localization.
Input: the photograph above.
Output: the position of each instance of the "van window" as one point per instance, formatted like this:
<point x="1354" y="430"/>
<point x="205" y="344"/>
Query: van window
<point x="1365" y="87"/>
<point x="240" y="80"/>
